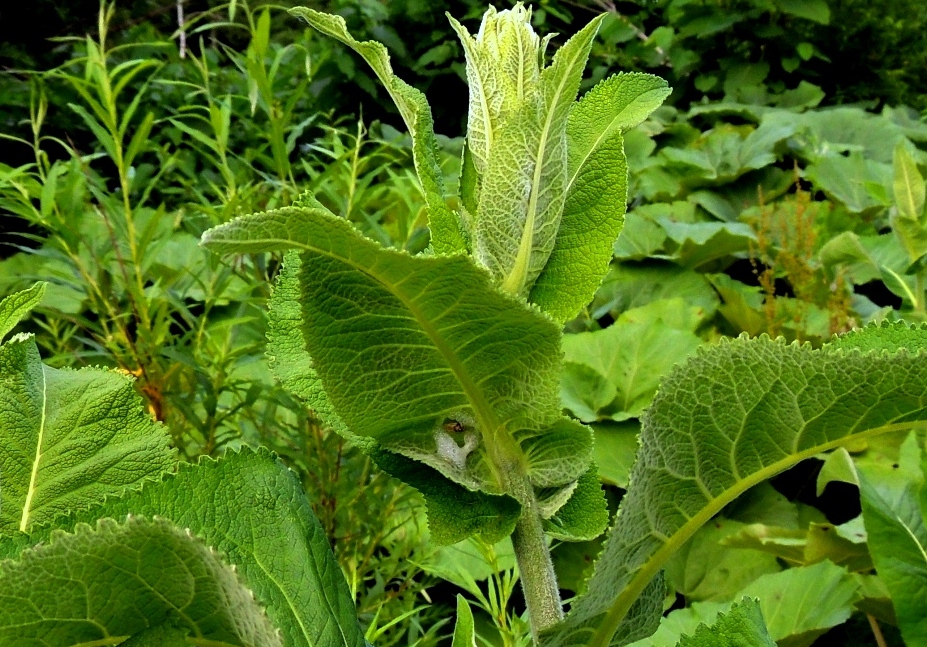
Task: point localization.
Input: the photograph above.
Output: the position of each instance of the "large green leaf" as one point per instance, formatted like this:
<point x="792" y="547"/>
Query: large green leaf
<point x="68" y="438"/>
<point x="524" y="187"/>
<point x="596" y="190"/>
<point x="734" y="415"/>
<point x="102" y="585"/>
<point x="454" y="512"/>
<point x="253" y="510"/>
<point x="908" y="185"/>
<point x="446" y="234"/>
<point x="422" y="354"/>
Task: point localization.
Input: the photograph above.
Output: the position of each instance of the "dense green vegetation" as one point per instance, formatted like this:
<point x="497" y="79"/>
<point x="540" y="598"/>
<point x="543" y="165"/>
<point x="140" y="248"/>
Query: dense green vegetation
<point x="778" y="190"/>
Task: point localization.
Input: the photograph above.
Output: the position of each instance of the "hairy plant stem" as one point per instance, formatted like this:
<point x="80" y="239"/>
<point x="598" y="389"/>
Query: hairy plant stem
<point x="535" y="568"/>
<point x="538" y="580"/>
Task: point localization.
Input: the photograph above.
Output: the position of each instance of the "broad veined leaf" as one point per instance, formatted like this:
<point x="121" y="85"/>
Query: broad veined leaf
<point x="826" y="599"/>
<point x="523" y="189"/>
<point x="629" y="357"/>
<point x="734" y="415"/>
<point x="897" y="537"/>
<point x="705" y="568"/>
<point x="107" y="583"/>
<point x="253" y="510"/>
<point x="446" y="233"/>
<point x="68" y="438"/>
<point x="18" y="305"/>
<point x="422" y="354"/>
<point x="454" y="512"/>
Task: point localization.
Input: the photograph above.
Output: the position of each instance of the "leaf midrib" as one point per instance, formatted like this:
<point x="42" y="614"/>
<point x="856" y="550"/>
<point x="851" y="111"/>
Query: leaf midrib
<point x="612" y="618"/>
<point x="515" y="280"/>
<point x="24" y="522"/>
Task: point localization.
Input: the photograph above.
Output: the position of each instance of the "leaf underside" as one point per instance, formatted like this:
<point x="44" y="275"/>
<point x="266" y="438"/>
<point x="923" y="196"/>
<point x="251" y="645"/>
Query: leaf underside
<point x="732" y="416"/>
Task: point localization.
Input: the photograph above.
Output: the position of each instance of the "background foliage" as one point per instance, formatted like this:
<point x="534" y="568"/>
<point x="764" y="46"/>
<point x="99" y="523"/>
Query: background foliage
<point x="763" y="200"/>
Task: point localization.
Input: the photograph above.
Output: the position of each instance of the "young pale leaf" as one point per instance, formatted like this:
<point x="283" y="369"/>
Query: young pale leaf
<point x="253" y="510"/>
<point x="464" y="632"/>
<point x="908" y="184"/>
<point x="101" y="585"/>
<point x="741" y="626"/>
<point x="422" y="354"/>
<point x="734" y="415"/>
<point x="897" y="539"/>
<point x="68" y="438"/>
<point x="503" y="69"/>
<point x="446" y="234"/>
<point x="16" y="306"/>
<point x="524" y="186"/>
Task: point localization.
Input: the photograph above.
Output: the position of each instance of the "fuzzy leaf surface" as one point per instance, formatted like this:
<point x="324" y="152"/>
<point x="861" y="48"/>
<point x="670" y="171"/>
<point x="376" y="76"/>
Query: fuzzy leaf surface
<point x="114" y="581"/>
<point x="729" y="418"/>
<point x="741" y="626"/>
<point x="446" y="234"/>
<point x="68" y="438"/>
<point x="454" y="512"/>
<point x="253" y="510"/>
<point x="524" y="186"/>
<point x="422" y="354"/>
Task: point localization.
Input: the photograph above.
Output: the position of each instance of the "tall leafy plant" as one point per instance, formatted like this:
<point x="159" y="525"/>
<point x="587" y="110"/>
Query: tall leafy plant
<point x="446" y="366"/>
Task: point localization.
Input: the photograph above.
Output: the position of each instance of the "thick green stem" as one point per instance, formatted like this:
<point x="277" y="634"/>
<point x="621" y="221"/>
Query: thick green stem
<point x="538" y="580"/>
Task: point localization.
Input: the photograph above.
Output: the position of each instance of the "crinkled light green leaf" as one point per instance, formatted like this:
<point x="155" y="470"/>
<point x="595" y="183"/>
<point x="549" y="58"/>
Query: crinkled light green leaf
<point x="18" y="305"/>
<point x="734" y="415"/>
<point x="103" y="584"/>
<point x="253" y="510"/>
<point x="68" y="438"/>
<point x="585" y="514"/>
<point x="446" y="233"/>
<point x="741" y="626"/>
<point x="422" y="354"/>
<point x="503" y="70"/>
<point x="524" y="186"/>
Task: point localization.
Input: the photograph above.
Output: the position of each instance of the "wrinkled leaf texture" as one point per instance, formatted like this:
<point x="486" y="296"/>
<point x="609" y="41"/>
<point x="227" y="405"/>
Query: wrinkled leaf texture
<point x="729" y="418"/>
